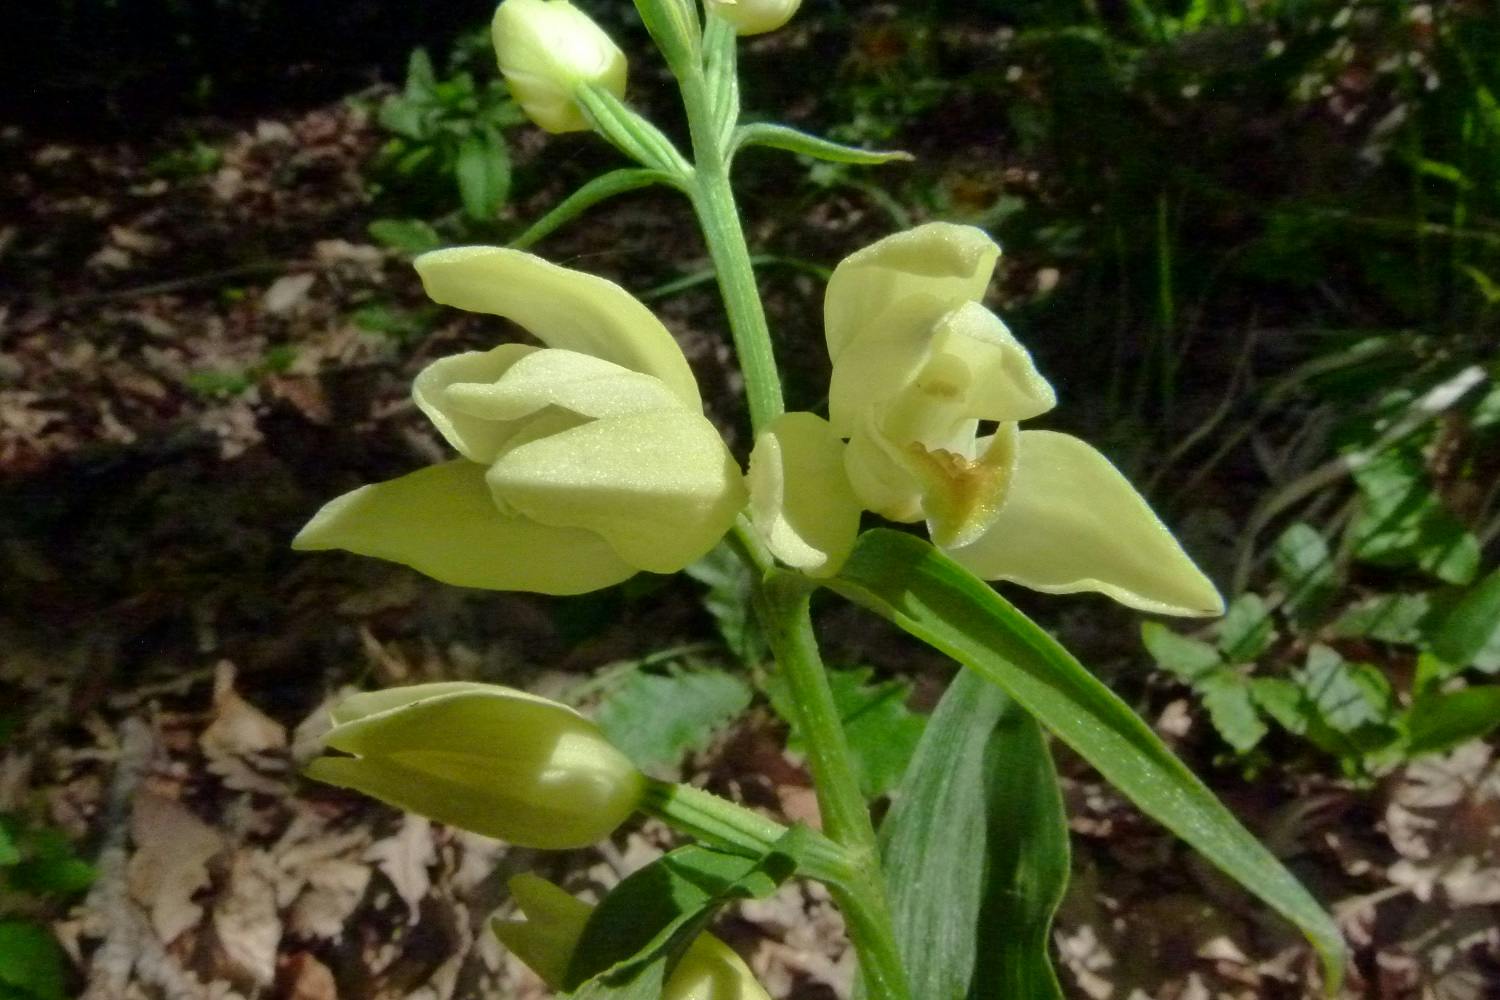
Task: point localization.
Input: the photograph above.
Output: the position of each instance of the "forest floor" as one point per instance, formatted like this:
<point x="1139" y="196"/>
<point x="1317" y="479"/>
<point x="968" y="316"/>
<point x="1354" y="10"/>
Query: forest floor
<point x="184" y="378"/>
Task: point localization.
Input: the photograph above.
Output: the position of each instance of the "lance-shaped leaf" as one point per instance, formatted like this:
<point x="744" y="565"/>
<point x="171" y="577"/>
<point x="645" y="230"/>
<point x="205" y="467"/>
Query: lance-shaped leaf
<point x="803" y="144"/>
<point x="601" y="188"/>
<point x="930" y="596"/>
<point x="979" y="813"/>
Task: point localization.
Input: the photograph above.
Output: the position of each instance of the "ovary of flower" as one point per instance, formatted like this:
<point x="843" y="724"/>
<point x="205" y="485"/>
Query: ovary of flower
<point x="555" y="920"/>
<point x="547" y="49"/>
<point x="581" y="463"/>
<point x="755" y="17"/>
<point x="919" y="364"/>
<point x="490" y="759"/>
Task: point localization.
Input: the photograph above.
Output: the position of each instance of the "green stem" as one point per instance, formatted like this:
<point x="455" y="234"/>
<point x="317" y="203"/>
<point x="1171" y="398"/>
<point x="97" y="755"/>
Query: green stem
<point x="719" y="217"/>
<point x="781" y="602"/>
<point x="726" y="825"/>
<point x="781" y="599"/>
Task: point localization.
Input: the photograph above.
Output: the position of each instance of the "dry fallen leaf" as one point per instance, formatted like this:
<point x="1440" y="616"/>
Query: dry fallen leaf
<point x="404" y="858"/>
<point x="170" y="865"/>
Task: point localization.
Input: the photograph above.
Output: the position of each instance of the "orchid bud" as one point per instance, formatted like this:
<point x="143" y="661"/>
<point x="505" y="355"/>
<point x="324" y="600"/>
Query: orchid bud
<point x="755" y="17"/>
<point x="547" y="50"/>
<point x="547" y="938"/>
<point x="489" y="759"/>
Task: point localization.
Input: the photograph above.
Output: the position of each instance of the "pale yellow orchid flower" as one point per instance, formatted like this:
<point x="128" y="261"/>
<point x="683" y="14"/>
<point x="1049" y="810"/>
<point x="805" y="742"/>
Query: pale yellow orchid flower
<point x="547" y="49"/>
<point x="918" y="364"/>
<point x="547" y="938"/>
<point x="490" y="759"/>
<point x="582" y="462"/>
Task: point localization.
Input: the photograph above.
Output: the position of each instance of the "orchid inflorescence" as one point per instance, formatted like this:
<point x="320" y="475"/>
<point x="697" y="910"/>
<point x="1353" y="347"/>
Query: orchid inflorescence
<point x="588" y="459"/>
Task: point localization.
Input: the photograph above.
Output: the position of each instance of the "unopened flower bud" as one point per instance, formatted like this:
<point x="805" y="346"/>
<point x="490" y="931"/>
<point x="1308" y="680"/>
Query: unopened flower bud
<point x="494" y="760"/>
<point x="547" y="938"/>
<point x="755" y="17"/>
<point x="548" y="49"/>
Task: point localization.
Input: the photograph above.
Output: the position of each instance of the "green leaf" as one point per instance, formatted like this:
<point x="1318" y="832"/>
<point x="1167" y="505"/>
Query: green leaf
<point x="1472" y="625"/>
<point x="656" y="718"/>
<point x="728" y="600"/>
<point x="1283" y="700"/>
<point x="978" y="813"/>
<point x="1403" y="522"/>
<point x="793" y="141"/>
<point x="601" y="188"/>
<point x="656" y="912"/>
<point x="1188" y="658"/>
<point x="1028" y="863"/>
<point x="1304" y="563"/>
<point x="1246" y="631"/>
<point x="420" y="79"/>
<point x="49" y="865"/>
<point x="931" y="837"/>
<point x="32" y="963"/>
<point x="646" y="984"/>
<point x="411" y="236"/>
<point x="1440" y="722"/>
<point x="924" y="592"/>
<point x="1407" y="619"/>
<point x="8" y="853"/>
<point x="882" y="732"/>
<point x="1346" y="695"/>
<point x="483" y="173"/>
<point x="1231" y="709"/>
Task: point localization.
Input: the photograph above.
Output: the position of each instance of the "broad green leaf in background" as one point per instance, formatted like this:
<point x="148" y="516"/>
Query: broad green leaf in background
<point x="1346" y="695"/>
<point x="1403" y="521"/>
<point x="1407" y="619"/>
<point x="975" y="850"/>
<point x="882" y="731"/>
<point x="1472" y="625"/>
<point x="412" y="236"/>
<point x="1246" y="630"/>
<point x="8" y="853"/>
<point x="1225" y="694"/>
<point x="656" y="718"/>
<point x="1304" y="563"/>
<point x="1231" y="709"/>
<point x="1440" y="722"/>
<point x="31" y="962"/>
<point x="654" y="913"/>
<point x="728" y="601"/>
<point x="483" y="173"/>
<point x="1189" y="659"/>
<point x="906" y="580"/>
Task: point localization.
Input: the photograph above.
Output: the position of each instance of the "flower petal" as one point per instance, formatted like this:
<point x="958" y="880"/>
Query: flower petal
<point x="949" y="263"/>
<point x="579" y="383"/>
<point x="1072" y="522"/>
<point x="476" y="439"/>
<point x="661" y="487"/>
<point x="442" y="521"/>
<point x="561" y="307"/>
<point x="881" y="478"/>
<point x="963" y="496"/>
<point x="1003" y="383"/>
<point x="801" y="502"/>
